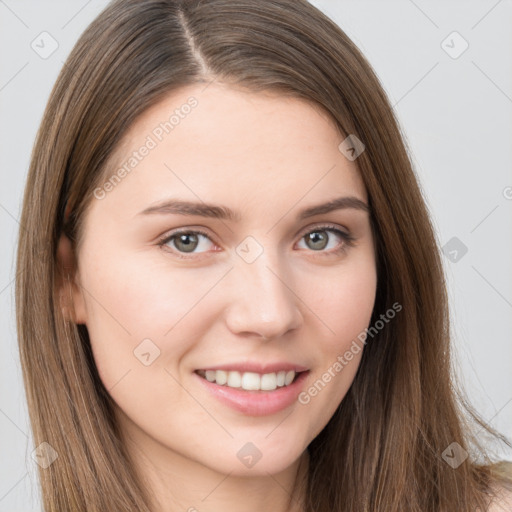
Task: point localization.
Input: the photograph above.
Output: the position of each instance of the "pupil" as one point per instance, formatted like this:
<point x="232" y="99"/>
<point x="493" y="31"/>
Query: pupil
<point x="188" y="246"/>
<point x="315" y="238"/>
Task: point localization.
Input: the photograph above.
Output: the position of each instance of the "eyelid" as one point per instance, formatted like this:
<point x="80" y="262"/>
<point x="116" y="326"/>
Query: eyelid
<point x="348" y="238"/>
<point x="166" y="237"/>
<point x="326" y="226"/>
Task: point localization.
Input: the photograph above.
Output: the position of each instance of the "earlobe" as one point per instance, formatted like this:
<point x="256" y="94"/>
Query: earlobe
<point x="71" y="299"/>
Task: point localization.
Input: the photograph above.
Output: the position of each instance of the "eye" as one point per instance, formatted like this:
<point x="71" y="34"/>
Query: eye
<point x="187" y="241"/>
<point x="317" y="239"/>
<point x="184" y="241"/>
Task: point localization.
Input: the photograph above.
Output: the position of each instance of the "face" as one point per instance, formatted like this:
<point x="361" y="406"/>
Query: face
<point x="168" y="291"/>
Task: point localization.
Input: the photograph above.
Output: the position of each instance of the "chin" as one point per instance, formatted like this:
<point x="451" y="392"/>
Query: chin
<point x="255" y="458"/>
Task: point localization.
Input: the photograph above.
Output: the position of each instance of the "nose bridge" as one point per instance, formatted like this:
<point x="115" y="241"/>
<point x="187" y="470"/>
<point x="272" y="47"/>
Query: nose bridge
<point x="264" y="303"/>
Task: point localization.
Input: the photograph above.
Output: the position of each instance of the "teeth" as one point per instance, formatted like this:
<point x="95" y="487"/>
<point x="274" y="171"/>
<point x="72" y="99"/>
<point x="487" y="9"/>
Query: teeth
<point x="221" y="377"/>
<point x="234" y="379"/>
<point x="289" y="377"/>
<point x="249" y="381"/>
<point x="268" y="382"/>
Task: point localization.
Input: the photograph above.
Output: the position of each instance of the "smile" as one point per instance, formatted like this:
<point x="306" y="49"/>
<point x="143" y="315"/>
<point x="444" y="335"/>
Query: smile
<point x="251" y="393"/>
<point x="249" y="381"/>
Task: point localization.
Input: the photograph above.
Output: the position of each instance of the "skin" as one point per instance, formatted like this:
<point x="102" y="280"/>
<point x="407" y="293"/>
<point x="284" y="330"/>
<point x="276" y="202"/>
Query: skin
<point x="267" y="157"/>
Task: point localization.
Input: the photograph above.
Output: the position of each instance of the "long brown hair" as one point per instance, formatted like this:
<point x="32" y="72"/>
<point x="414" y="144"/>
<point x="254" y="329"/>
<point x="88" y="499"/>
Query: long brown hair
<point x="383" y="448"/>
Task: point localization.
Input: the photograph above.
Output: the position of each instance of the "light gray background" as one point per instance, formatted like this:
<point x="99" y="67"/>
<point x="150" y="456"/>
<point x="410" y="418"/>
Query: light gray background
<point x="455" y="114"/>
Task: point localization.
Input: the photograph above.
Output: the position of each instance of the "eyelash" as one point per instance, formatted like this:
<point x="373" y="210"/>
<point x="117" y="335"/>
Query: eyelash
<point x="348" y="240"/>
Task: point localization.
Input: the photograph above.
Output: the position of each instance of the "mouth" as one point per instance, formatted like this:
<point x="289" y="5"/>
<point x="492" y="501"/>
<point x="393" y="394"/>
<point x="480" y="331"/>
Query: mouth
<point x="252" y="393"/>
<point x="251" y="381"/>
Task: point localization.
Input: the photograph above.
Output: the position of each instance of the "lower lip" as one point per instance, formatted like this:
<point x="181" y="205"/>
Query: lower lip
<point x="256" y="403"/>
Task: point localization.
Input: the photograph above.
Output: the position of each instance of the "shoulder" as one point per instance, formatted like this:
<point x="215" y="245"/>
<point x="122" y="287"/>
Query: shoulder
<point x="503" y="500"/>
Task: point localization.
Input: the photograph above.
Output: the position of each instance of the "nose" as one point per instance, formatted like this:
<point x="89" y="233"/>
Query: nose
<point x="263" y="302"/>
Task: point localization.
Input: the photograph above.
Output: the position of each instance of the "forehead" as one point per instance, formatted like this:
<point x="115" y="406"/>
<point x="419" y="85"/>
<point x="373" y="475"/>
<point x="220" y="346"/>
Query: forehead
<point x="229" y="145"/>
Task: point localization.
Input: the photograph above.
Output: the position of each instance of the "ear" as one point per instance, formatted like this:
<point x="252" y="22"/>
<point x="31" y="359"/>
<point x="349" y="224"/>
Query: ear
<point x="70" y="293"/>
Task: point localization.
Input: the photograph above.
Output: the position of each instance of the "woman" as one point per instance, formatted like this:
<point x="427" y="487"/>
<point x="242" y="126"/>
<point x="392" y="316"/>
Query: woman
<point x="240" y="303"/>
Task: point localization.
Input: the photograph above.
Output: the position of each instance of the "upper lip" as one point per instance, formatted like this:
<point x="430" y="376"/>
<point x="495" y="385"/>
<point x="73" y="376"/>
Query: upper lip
<point x="255" y="367"/>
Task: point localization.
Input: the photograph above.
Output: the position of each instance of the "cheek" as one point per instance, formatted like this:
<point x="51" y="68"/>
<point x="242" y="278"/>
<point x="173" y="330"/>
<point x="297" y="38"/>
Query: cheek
<point x="142" y="320"/>
<point x="343" y="302"/>
<point x="343" y="305"/>
<point x="142" y="300"/>
<point x="140" y="313"/>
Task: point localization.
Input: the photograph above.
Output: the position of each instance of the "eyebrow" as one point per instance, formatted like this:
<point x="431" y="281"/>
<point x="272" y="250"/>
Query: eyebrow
<point x="178" y="207"/>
